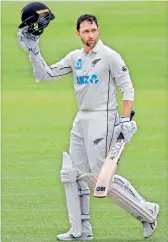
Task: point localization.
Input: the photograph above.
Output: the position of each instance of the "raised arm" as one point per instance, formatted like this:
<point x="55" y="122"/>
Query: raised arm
<point x="41" y="70"/>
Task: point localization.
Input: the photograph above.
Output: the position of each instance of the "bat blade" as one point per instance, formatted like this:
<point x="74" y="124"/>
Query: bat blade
<point x="110" y="165"/>
<point x="108" y="169"/>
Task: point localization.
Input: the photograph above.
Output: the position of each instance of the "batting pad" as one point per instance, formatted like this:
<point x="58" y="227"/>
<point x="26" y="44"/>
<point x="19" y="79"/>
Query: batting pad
<point x="72" y="197"/>
<point x="124" y="199"/>
<point x="84" y="196"/>
<point x="90" y="179"/>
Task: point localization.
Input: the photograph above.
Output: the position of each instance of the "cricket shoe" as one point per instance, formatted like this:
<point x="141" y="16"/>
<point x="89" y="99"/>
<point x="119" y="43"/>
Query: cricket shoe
<point x="149" y="228"/>
<point x="69" y="236"/>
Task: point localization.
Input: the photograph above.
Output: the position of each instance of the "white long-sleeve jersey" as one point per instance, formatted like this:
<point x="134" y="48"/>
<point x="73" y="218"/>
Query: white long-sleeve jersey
<point x="96" y="76"/>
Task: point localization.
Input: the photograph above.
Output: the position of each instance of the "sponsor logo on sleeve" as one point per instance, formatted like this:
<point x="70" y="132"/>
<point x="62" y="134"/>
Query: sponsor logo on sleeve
<point x="124" y="69"/>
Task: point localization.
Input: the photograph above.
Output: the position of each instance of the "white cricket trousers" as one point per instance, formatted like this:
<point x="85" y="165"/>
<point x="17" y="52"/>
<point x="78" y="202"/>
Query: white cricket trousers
<point x="90" y="139"/>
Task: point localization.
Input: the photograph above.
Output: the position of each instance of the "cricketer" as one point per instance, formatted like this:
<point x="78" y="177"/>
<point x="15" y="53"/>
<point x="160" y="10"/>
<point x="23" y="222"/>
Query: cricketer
<point x="97" y="72"/>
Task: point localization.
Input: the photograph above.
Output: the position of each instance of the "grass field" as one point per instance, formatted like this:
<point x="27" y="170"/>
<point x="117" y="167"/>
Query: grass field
<point x="36" y="120"/>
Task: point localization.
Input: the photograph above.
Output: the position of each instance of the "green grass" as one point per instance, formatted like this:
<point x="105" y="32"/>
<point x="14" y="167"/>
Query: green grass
<point x="36" y="120"/>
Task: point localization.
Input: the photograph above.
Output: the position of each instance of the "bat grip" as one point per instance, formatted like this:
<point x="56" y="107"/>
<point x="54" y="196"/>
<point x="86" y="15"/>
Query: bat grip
<point x="132" y="114"/>
<point x="121" y="136"/>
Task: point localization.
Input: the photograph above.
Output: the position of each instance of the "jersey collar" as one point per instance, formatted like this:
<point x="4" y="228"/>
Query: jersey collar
<point x="96" y="48"/>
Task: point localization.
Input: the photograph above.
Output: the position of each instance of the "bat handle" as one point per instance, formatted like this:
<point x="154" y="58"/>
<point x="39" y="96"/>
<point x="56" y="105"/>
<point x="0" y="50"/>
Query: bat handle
<point x="121" y="136"/>
<point x="132" y="114"/>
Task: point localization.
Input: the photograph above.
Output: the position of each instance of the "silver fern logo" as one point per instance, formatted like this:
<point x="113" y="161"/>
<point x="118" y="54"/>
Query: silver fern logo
<point x="95" y="62"/>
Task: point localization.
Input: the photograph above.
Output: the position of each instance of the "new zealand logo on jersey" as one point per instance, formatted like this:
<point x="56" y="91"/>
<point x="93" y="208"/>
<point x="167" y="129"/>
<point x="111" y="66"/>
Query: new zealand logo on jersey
<point x="78" y="65"/>
<point x="95" y="62"/>
<point x="85" y="80"/>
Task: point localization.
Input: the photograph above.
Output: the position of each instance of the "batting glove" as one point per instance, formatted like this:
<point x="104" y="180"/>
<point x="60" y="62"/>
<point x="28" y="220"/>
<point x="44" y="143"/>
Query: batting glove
<point x="27" y="41"/>
<point x="128" y="128"/>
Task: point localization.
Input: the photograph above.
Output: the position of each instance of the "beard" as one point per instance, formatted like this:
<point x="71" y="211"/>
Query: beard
<point x="90" y="43"/>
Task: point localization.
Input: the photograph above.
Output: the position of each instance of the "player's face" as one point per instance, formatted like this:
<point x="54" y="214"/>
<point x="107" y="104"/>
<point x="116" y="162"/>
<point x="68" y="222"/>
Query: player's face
<point x="88" y="33"/>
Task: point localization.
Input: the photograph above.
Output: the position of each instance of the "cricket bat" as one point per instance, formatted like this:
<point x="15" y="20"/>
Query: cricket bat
<point x="110" y="165"/>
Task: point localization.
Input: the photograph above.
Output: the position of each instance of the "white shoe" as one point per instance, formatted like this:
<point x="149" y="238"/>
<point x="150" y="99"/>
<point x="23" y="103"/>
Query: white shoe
<point x="69" y="236"/>
<point x="149" y="228"/>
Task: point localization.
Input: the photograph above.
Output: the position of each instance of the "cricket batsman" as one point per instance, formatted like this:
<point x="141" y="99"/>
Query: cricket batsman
<point x="97" y="72"/>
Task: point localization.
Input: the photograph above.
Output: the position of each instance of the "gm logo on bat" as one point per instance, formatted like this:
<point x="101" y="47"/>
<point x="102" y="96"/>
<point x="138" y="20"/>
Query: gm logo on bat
<point x="85" y="80"/>
<point x="100" y="189"/>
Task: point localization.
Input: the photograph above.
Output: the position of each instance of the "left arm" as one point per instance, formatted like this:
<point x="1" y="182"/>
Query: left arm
<point x="127" y="107"/>
<point x="123" y="82"/>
